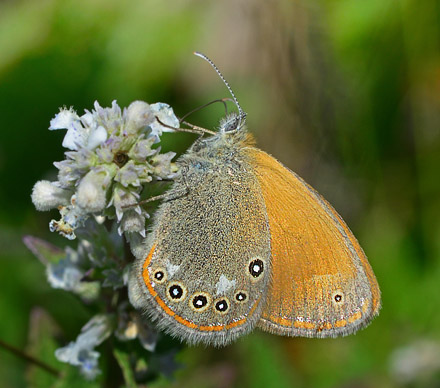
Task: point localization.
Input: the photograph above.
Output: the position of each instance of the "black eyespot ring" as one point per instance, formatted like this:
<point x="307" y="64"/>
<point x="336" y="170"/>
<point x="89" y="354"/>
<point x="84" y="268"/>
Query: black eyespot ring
<point x="159" y="275"/>
<point x="256" y="267"/>
<point x="222" y="305"/>
<point x="241" y="296"/>
<point x="176" y="292"/>
<point x="338" y="297"/>
<point x="200" y="301"/>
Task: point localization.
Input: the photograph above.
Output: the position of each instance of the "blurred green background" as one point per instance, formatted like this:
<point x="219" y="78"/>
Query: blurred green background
<point x="346" y="93"/>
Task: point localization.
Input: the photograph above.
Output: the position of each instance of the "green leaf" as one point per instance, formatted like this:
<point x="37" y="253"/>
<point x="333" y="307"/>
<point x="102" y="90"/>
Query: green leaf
<point x="124" y="362"/>
<point x="44" y="251"/>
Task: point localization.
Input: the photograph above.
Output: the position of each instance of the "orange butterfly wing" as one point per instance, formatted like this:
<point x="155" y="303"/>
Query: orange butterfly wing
<point x="322" y="284"/>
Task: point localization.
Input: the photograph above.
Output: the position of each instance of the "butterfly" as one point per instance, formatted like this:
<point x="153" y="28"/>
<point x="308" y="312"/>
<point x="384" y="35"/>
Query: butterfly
<point x="240" y="241"/>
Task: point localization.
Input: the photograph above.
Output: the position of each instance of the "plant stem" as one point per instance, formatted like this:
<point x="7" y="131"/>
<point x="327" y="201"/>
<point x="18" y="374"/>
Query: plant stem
<point x="28" y="358"/>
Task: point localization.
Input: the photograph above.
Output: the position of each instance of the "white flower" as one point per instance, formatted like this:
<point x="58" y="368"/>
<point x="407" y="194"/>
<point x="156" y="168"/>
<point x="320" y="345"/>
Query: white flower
<point x="46" y="195"/>
<point x="72" y="217"/>
<point x="111" y="150"/>
<point x="81" y="131"/>
<point x="76" y="134"/>
<point x="64" y="275"/>
<point x="132" y="221"/>
<point x="138" y="115"/>
<point x="80" y="352"/>
<point x="64" y="120"/>
<point x="166" y="115"/>
<point x="67" y="274"/>
<point x="92" y="190"/>
<point x="97" y="137"/>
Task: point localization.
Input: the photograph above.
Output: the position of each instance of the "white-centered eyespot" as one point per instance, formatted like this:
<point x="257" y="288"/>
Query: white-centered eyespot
<point x="256" y="268"/>
<point x="199" y="301"/>
<point x="159" y="275"/>
<point x="241" y="296"/>
<point x="222" y="305"/>
<point x="176" y="292"/>
<point x="338" y="297"/>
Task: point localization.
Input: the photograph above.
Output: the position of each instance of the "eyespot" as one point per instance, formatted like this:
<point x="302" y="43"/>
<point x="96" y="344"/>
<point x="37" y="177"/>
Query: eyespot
<point x="176" y="292"/>
<point x="241" y="296"/>
<point x="256" y="268"/>
<point x="159" y="275"/>
<point x="338" y="297"/>
<point x="200" y="301"/>
<point x="221" y="305"/>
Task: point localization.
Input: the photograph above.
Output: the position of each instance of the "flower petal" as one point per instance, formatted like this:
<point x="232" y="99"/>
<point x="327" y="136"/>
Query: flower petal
<point x="64" y="119"/>
<point x="138" y="115"/>
<point x="97" y="137"/>
<point x="166" y="115"/>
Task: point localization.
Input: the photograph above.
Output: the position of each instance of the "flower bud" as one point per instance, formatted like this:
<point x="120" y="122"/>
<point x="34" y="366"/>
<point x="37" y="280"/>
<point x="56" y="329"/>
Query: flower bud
<point x="132" y="222"/>
<point x="138" y="115"/>
<point x="46" y="196"/>
<point x="91" y="192"/>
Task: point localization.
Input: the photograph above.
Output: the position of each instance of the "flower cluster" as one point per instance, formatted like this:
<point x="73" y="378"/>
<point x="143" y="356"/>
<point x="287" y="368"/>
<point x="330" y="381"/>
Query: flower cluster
<point x="96" y="272"/>
<point x="111" y="157"/>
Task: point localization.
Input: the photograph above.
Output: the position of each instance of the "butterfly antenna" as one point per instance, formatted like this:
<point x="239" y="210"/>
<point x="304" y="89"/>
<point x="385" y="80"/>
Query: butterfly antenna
<point x="241" y="113"/>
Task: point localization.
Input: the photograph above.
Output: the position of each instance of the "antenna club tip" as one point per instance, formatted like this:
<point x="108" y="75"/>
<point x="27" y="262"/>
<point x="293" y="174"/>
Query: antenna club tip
<point x="199" y="54"/>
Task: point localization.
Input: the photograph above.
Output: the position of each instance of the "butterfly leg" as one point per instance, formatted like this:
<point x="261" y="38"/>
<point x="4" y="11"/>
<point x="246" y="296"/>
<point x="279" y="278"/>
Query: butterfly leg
<point x="168" y="196"/>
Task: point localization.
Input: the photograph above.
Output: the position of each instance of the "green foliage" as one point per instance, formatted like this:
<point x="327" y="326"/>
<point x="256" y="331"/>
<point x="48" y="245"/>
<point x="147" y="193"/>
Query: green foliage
<point x="365" y="133"/>
<point x="124" y="363"/>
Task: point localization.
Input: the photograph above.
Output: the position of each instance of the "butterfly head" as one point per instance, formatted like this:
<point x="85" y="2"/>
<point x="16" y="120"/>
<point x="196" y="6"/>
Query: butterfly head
<point x="232" y="135"/>
<point x="232" y="123"/>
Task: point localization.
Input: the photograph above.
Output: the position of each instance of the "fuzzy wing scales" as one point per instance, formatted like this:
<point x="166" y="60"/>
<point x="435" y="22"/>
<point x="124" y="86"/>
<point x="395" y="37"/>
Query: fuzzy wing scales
<point x="206" y="266"/>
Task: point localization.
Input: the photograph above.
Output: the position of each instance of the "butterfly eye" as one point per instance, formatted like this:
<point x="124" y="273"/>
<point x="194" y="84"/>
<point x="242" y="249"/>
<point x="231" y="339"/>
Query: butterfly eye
<point x="200" y="301"/>
<point x="241" y="296"/>
<point x="222" y="305"/>
<point x="256" y="268"/>
<point x="159" y="275"/>
<point x="176" y="292"/>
